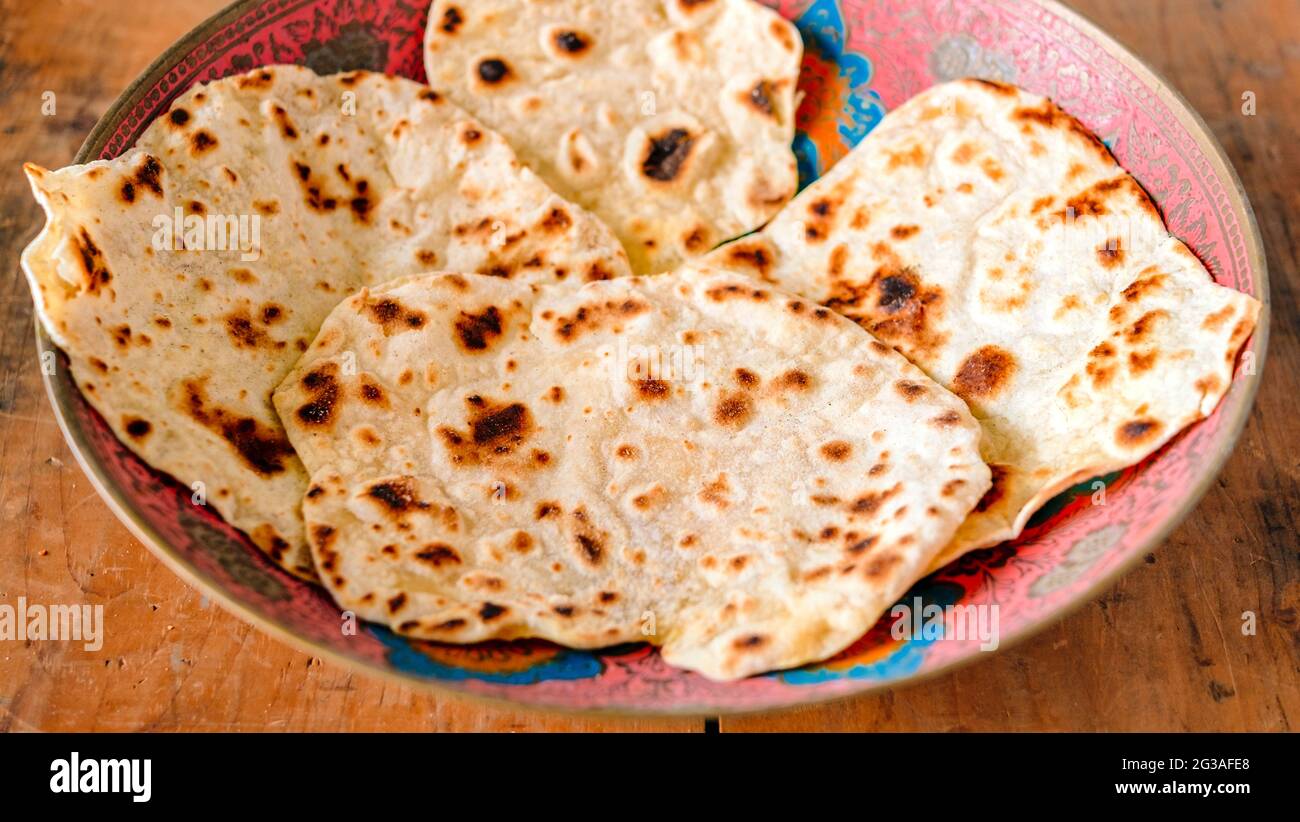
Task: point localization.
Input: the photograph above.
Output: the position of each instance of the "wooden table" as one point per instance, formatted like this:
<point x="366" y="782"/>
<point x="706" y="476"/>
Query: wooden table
<point x="1162" y="650"/>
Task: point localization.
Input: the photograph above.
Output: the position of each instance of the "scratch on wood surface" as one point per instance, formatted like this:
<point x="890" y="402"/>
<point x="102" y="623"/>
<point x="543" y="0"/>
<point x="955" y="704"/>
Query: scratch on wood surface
<point x="1218" y="626"/>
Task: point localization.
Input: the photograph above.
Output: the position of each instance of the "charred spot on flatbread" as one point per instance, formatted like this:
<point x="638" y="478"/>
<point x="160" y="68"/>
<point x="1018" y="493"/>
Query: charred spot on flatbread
<point x="572" y="43"/>
<point x="451" y="21"/>
<point x="322" y="385"/>
<point x="496" y="430"/>
<point x="667" y="154"/>
<point x="476" y="332"/>
<point x="493" y="71"/>
<point x="760" y="98"/>
<point x="394" y="317"/>
<point x="1138" y="433"/>
<point x="984" y="373"/>
<point x="263" y="448"/>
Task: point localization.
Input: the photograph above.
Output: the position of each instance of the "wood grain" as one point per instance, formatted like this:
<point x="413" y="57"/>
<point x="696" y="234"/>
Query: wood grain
<point x="1162" y="650"/>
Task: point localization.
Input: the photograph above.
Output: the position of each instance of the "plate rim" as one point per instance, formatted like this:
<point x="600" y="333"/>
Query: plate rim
<point x="1186" y="115"/>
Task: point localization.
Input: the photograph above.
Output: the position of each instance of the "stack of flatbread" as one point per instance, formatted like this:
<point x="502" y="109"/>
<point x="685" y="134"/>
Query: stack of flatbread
<point x="691" y="459"/>
<point x="992" y="239"/>
<point x="184" y="278"/>
<point x="390" y="330"/>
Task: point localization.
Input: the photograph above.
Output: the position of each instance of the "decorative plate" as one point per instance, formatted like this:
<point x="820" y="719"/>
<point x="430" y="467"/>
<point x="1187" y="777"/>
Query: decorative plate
<point x="863" y="57"/>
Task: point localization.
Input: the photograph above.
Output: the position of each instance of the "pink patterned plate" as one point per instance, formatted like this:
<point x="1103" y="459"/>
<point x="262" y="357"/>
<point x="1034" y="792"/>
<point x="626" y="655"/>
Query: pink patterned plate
<point x="863" y="57"/>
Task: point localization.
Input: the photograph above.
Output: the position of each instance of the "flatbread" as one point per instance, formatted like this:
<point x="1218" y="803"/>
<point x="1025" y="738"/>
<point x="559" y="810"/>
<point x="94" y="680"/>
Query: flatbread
<point x="687" y="459"/>
<point x="671" y="120"/>
<point x="349" y="179"/>
<point x="992" y="240"/>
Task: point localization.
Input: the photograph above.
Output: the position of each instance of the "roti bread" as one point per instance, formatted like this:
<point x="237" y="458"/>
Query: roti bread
<point x="671" y="120"/>
<point x="689" y="459"/>
<point x="993" y="240"/>
<point x="183" y="278"/>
